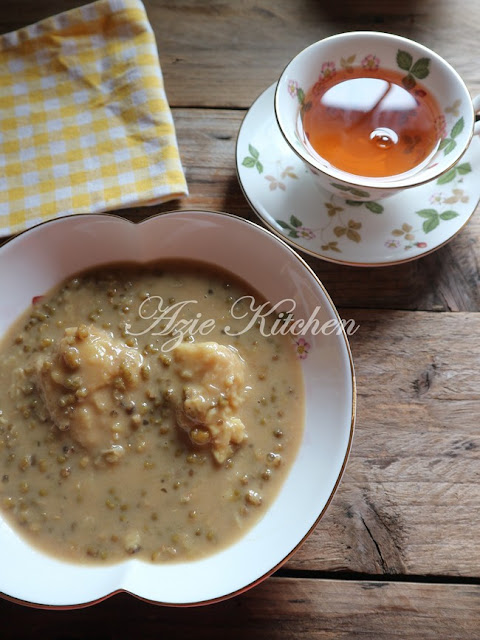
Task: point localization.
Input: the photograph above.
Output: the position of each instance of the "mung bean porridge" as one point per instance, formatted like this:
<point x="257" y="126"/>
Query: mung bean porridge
<point x="120" y="435"/>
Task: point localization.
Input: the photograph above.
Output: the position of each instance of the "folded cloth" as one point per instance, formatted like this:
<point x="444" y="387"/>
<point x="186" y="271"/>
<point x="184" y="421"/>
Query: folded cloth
<point x="85" y="125"/>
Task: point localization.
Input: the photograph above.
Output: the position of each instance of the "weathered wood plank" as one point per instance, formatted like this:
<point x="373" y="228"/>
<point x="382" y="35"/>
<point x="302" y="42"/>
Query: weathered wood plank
<point x="410" y="499"/>
<point x="263" y="36"/>
<point x="445" y="280"/>
<point x="224" y="54"/>
<point x="278" y="609"/>
<point x="409" y="502"/>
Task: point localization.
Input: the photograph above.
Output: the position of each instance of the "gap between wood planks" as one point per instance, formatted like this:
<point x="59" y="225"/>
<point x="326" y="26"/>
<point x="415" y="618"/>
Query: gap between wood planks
<point x="373" y="578"/>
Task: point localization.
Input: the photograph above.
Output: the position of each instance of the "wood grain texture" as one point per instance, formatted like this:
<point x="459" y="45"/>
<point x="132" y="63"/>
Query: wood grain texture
<point x="446" y="280"/>
<point x="210" y="35"/>
<point x="262" y="38"/>
<point x="223" y="53"/>
<point x="278" y="609"/>
<point x="409" y="502"/>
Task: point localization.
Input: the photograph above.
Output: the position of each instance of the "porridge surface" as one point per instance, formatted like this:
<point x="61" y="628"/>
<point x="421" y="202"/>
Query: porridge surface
<point x="167" y="447"/>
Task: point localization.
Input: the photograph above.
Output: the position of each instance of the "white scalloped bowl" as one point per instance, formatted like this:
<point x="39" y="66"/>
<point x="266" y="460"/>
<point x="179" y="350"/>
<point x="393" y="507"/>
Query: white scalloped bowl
<point x="42" y="257"/>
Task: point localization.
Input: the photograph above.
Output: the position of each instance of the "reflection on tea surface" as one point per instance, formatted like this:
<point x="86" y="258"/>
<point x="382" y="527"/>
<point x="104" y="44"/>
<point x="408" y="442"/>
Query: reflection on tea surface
<point x="366" y="123"/>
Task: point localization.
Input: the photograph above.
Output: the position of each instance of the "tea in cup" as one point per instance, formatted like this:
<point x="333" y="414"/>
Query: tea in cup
<point x="373" y="113"/>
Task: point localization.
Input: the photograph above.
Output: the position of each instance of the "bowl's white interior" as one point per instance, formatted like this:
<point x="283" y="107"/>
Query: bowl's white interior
<point x="39" y="259"/>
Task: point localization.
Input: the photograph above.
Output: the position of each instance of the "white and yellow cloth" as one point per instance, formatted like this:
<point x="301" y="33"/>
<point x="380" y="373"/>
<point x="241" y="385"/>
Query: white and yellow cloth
<point x="85" y="125"/>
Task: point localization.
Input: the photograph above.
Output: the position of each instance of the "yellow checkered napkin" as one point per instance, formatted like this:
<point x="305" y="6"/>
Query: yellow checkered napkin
<point x="84" y="121"/>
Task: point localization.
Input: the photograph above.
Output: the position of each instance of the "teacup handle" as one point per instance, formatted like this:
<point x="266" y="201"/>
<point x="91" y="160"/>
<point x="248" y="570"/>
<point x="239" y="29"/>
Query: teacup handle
<point x="476" y="108"/>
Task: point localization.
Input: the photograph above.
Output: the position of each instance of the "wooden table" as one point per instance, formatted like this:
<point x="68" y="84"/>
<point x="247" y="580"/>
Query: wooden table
<point x="397" y="553"/>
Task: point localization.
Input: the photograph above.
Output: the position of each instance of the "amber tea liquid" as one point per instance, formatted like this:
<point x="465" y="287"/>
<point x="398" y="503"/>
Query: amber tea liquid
<point x="366" y="123"/>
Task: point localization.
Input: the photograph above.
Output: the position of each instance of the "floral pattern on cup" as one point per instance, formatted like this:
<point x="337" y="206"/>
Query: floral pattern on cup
<point x="357" y="198"/>
<point x="347" y="63"/>
<point x="279" y="182"/>
<point x="439" y="213"/>
<point x="252" y="159"/>
<point x="371" y="62"/>
<point x="454" y="109"/>
<point x="404" y="233"/>
<point x="336" y="227"/>
<point x="449" y="143"/>
<point x="350" y="229"/>
<point x="296" y="229"/>
<point x="339" y="228"/>
<point x="293" y="88"/>
<point x="329" y="234"/>
<point x="327" y="70"/>
<point x="415" y="70"/>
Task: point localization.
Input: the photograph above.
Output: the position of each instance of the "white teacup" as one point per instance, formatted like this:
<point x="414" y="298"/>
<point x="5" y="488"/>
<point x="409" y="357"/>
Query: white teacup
<point x="419" y="66"/>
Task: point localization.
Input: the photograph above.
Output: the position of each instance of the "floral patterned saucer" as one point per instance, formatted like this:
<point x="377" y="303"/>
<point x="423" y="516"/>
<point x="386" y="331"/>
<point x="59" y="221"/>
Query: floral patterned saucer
<point x="285" y="195"/>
